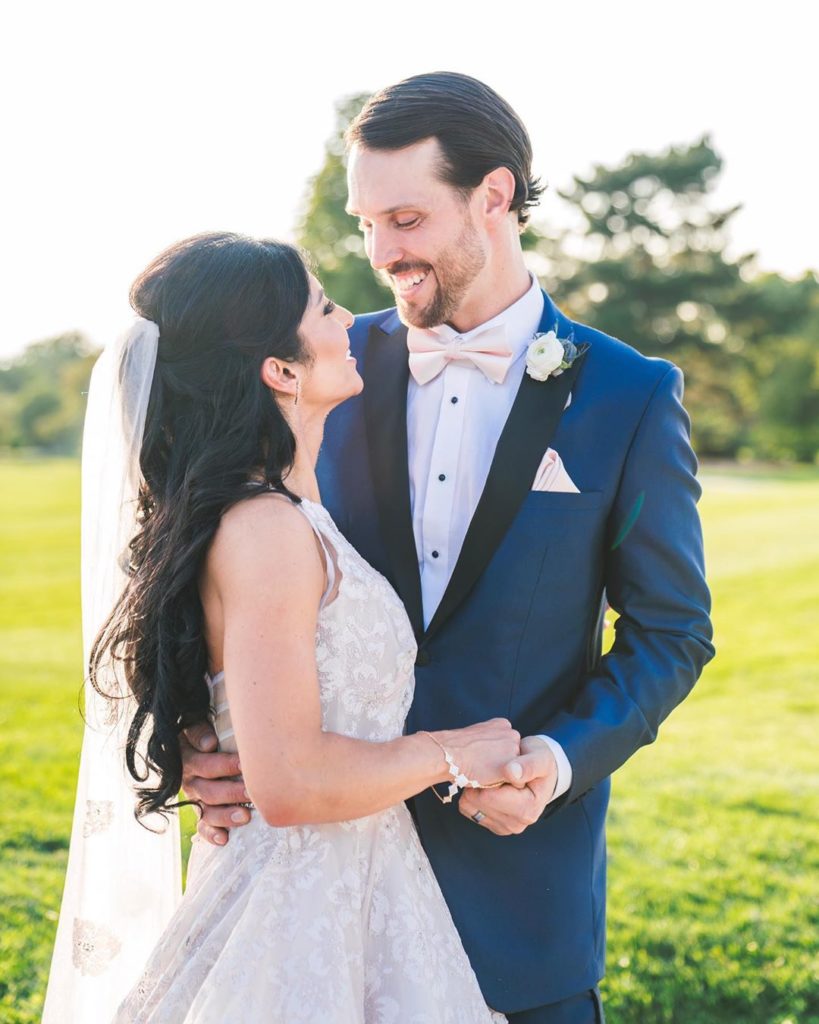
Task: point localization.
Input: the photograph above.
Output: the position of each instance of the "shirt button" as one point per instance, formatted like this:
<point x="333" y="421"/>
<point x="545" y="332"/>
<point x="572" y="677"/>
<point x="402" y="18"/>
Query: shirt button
<point x="442" y="476"/>
<point x="454" y="399"/>
<point x="435" y="554"/>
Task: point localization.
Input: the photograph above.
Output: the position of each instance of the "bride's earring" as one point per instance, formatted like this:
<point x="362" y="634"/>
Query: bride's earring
<point x="298" y="388"/>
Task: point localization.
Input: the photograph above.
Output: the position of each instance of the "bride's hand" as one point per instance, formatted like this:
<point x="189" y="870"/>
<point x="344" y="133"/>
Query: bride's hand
<point x="480" y="751"/>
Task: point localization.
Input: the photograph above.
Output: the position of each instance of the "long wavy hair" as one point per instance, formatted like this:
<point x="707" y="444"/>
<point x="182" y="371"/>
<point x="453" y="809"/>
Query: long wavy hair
<point x="214" y="436"/>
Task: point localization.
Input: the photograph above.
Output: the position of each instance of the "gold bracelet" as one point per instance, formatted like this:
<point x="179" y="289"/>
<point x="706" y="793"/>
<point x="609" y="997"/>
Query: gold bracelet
<point x="460" y="780"/>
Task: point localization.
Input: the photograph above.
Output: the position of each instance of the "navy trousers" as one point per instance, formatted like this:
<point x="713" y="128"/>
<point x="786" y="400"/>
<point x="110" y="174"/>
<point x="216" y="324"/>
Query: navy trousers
<point x="585" y="1008"/>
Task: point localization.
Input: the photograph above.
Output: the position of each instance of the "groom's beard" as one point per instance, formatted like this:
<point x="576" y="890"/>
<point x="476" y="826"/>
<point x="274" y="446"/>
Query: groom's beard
<point x="453" y="272"/>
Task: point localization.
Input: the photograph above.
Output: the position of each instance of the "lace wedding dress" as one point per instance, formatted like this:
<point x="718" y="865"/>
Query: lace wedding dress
<point x="340" y="923"/>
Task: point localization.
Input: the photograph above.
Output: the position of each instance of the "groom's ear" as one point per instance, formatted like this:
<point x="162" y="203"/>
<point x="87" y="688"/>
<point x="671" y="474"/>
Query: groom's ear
<point x="499" y="191"/>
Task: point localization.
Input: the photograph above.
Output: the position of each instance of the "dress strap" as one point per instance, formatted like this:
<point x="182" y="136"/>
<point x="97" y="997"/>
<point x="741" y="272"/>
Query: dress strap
<point x="331" y="567"/>
<point x="330" y="560"/>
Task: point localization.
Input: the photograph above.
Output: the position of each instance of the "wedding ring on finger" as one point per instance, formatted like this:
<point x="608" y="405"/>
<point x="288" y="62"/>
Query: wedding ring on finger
<point x="478" y="817"/>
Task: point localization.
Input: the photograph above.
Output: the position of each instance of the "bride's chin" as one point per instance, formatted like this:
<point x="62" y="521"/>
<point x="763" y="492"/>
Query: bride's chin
<point x="353" y="388"/>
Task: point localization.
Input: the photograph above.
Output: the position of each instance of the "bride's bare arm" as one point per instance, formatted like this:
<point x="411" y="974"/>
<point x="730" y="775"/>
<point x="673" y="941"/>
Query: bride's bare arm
<point x="267" y="575"/>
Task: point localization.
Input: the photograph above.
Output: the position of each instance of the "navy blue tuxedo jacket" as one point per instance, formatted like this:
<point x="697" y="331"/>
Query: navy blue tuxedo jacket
<point x="518" y="631"/>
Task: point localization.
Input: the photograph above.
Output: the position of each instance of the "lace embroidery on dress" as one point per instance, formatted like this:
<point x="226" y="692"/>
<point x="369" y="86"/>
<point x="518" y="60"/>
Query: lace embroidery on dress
<point x="94" y="947"/>
<point x="338" y="923"/>
<point x="98" y="816"/>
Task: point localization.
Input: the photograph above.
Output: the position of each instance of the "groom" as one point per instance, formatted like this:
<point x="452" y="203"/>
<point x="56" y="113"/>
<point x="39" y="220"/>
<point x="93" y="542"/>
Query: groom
<point x="506" y="507"/>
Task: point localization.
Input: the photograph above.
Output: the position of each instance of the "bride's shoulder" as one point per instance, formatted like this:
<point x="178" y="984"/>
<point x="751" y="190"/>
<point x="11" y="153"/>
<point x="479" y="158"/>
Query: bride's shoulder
<point x="266" y="515"/>
<point x="265" y="533"/>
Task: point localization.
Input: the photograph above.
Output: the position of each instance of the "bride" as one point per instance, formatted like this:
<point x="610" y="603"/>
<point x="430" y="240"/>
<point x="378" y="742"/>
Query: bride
<point x="241" y="599"/>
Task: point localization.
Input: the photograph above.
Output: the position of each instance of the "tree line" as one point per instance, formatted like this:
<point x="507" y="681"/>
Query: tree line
<point x="646" y="260"/>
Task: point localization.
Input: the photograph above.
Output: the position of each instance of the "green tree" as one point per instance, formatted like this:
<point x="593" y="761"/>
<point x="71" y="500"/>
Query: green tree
<point x="42" y="395"/>
<point x="330" y="235"/>
<point x="787" y="426"/>
<point x="649" y="266"/>
<point x="783" y="319"/>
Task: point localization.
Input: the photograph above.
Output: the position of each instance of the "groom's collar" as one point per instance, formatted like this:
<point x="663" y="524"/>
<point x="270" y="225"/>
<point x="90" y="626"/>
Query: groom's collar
<point x="518" y="322"/>
<point x="551" y="319"/>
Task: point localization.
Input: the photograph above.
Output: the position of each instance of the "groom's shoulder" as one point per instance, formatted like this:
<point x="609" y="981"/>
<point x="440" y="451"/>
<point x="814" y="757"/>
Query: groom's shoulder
<point x="613" y="360"/>
<point x="386" y="319"/>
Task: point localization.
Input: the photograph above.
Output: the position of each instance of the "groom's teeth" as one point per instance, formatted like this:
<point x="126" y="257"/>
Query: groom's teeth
<point x="405" y="283"/>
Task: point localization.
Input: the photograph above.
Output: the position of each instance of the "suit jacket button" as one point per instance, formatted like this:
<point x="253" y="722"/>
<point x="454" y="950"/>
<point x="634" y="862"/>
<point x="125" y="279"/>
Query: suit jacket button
<point x="422" y="658"/>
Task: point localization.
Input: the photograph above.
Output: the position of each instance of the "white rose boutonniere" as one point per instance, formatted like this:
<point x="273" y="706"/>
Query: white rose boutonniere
<point x="548" y="356"/>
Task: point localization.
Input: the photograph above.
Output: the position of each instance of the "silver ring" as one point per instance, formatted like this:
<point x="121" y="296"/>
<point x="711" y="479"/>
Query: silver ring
<point x="478" y="817"/>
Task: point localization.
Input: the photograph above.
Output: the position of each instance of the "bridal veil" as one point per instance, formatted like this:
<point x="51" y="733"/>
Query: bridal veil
<point x="123" y="881"/>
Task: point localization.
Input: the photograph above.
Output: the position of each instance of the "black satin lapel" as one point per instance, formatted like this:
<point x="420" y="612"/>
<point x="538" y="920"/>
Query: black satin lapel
<point x="386" y="372"/>
<point x="525" y="437"/>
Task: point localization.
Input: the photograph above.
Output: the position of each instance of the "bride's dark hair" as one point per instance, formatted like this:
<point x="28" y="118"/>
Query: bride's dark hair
<point x="214" y="436"/>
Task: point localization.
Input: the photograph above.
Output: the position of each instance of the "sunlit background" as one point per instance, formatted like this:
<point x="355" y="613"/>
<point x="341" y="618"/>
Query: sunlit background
<point x="129" y="125"/>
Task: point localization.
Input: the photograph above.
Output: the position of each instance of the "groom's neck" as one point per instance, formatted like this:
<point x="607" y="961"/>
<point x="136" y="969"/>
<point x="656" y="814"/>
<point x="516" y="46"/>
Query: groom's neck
<point x="503" y="280"/>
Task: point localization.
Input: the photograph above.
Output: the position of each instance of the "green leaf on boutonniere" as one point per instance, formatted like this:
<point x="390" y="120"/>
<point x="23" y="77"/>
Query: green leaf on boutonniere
<point x="631" y="519"/>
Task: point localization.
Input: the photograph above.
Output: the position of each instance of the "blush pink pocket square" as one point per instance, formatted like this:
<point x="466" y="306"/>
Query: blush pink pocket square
<point x="552" y="476"/>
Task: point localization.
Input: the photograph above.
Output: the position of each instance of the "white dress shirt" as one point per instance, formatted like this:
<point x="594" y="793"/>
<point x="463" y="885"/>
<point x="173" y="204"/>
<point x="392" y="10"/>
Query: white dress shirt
<point x="454" y="423"/>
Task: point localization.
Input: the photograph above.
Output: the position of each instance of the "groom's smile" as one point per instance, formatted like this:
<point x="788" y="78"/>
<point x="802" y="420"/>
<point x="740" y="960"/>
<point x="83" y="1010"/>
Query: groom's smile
<point x="413" y="287"/>
<point x="419" y="232"/>
<point x="407" y="283"/>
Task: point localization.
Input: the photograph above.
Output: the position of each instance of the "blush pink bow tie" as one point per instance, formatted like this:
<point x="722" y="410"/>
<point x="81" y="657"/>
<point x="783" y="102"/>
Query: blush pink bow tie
<point x="488" y="350"/>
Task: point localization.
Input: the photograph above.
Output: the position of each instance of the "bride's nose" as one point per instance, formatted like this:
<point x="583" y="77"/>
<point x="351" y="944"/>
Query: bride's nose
<point x="346" y="318"/>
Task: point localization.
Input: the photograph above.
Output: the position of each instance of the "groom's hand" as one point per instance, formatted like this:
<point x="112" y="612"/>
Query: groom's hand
<point x="509" y="810"/>
<point x="206" y="778"/>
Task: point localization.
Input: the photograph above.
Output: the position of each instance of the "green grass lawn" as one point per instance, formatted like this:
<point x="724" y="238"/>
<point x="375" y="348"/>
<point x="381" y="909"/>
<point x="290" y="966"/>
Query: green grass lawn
<point x="714" y="831"/>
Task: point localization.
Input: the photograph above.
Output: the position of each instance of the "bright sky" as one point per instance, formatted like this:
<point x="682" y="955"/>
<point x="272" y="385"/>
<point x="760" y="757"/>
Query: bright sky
<point x="132" y="124"/>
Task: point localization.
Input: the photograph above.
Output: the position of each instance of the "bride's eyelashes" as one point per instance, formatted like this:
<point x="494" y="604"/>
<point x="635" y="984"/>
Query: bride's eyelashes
<point x="329" y="306"/>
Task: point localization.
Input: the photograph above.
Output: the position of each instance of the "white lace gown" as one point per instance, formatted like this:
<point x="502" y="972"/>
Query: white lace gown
<point x="340" y="923"/>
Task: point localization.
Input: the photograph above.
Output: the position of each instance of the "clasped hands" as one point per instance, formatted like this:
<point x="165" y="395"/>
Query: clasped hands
<point x="531" y="780"/>
<point x="214" y="780"/>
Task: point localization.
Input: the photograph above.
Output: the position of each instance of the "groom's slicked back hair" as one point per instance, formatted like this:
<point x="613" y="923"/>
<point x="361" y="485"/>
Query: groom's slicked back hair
<point x="476" y="129"/>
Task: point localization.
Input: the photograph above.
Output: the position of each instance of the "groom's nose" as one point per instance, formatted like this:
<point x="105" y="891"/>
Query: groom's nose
<point x="383" y="250"/>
